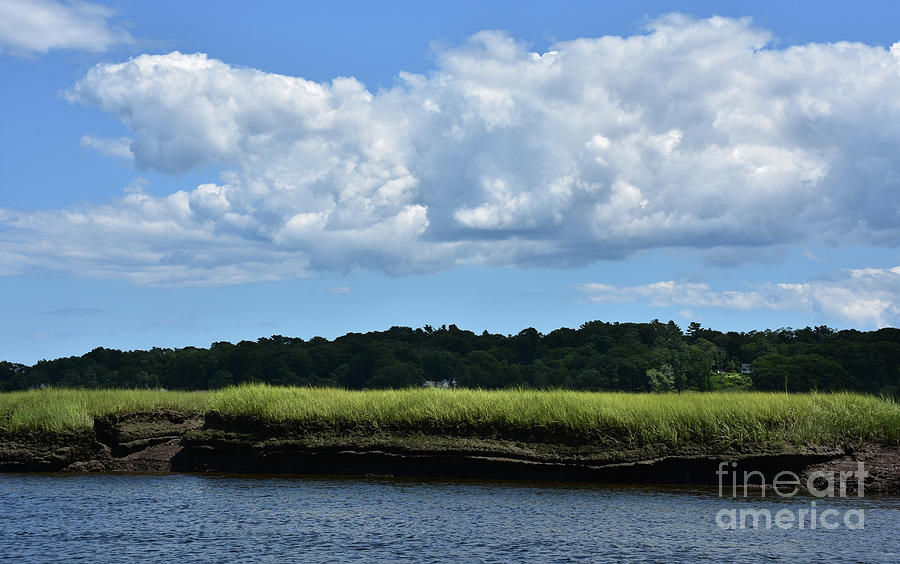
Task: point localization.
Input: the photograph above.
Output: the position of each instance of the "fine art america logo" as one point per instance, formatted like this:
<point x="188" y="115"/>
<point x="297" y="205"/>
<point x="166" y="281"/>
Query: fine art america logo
<point x="787" y="484"/>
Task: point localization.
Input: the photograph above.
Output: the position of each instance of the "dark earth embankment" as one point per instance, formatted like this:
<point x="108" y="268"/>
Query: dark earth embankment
<point x="164" y="441"/>
<point x="144" y="441"/>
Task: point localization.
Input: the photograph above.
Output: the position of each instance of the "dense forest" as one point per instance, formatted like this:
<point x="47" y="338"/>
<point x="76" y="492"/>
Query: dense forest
<point x="632" y="357"/>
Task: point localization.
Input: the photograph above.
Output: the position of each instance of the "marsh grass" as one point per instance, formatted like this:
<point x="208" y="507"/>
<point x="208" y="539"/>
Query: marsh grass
<point x="735" y="419"/>
<point x="58" y="410"/>
<point x="732" y="419"/>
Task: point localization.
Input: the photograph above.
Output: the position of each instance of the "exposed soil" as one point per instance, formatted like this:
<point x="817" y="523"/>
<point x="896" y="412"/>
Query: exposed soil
<point x="881" y="463"/>
<point x="165" y="441"/>
<point x="129" y="442"/>
<point x="47" y="452"/>
<point x="128" y="433"/>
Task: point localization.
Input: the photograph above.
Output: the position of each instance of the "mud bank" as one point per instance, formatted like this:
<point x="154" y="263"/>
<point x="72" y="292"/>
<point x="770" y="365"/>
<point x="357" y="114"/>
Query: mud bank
<point x="167" y="441"/>
<point x="145" y="441"/>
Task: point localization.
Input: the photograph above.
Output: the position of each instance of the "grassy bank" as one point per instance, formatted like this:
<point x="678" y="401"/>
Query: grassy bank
<point x="745" y="418"/>
<point x="58" y="410"/>
<point x="735" y="419"/>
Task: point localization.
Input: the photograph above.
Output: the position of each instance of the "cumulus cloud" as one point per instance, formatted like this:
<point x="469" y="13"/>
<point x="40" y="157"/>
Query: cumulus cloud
<point x="37" y="26"/>
<point x="863" y="297"/>
<point x="695" y="134"/>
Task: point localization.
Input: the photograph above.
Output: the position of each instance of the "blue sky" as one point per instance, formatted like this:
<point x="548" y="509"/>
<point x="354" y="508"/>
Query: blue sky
<point x="178" y="173"/>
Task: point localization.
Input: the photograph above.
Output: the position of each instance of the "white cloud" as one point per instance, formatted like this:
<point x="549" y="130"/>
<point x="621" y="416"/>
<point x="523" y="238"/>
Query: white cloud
<point x="687" y="314"/>
<point x="863" y="297"/>
<point x="812" y="256"/>
<point x="119" y="148"/>
<point x="339" y="290"/>
<point x="670" y="292"/>
<point x="693" y="135"/>
<point x="29" y="26"/>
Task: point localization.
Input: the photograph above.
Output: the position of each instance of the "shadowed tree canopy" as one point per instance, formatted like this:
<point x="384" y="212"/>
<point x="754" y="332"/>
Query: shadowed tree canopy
<point x="634" y="357"/>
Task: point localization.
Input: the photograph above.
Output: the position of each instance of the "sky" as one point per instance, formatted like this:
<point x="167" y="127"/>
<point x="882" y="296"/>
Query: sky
<point x="179" y="173"/>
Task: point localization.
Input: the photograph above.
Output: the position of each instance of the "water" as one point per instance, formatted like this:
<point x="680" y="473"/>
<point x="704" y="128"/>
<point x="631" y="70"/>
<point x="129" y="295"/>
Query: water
<point x="180" y="517"/>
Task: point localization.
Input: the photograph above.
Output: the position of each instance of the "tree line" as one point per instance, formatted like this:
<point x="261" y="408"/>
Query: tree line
<point x="633" y="357"/>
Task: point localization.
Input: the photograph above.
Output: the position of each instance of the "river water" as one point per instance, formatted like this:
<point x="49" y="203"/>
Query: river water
<point x="183" y="517"/>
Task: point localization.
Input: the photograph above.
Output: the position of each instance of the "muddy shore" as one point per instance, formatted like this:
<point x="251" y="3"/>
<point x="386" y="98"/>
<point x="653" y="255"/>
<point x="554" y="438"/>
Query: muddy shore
<point x="170" y="441"/>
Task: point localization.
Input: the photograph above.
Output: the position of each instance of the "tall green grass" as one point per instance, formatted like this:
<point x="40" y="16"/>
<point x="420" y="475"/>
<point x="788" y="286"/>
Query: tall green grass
<point x="59" y="410"/>
<point x="733" y="419"/>
<point x="702" y="418"/>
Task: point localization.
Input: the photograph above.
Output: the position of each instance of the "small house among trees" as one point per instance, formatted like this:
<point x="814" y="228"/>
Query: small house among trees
<point x="442" y="384"/>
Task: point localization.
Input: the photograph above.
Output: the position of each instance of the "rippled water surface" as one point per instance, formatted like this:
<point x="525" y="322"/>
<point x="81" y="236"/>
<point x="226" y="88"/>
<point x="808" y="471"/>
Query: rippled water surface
<point x="182" y="517"/>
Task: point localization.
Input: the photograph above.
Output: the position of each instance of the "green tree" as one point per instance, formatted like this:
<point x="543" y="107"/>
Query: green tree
<point x="661" y="379"/>
<point x="396" y="375"/>
<point x="221" y="379"/>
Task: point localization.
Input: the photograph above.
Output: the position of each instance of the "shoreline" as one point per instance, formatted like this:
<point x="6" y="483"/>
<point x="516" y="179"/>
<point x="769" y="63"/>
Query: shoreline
<point x="173" y="441"/>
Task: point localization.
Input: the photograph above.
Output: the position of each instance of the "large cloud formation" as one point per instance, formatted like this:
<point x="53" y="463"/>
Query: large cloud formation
<point x="695" y="134"/>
